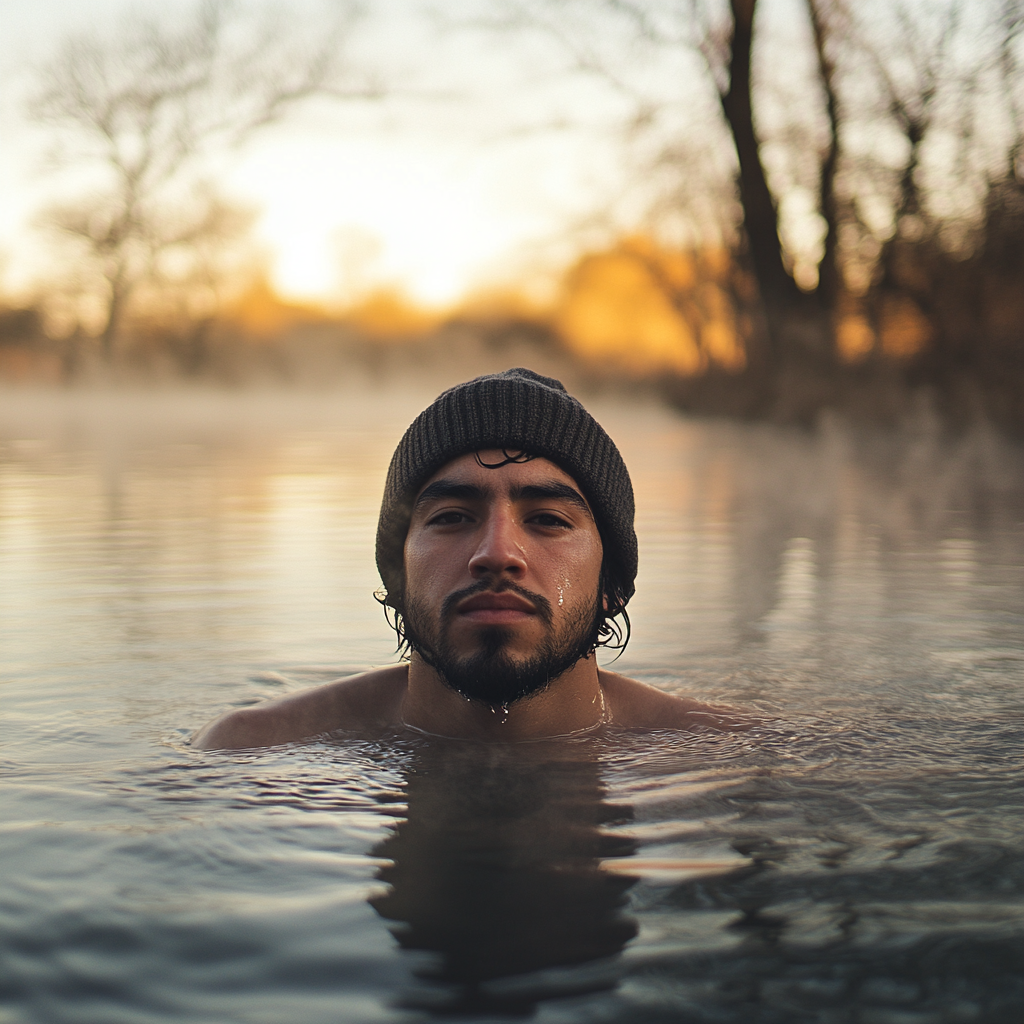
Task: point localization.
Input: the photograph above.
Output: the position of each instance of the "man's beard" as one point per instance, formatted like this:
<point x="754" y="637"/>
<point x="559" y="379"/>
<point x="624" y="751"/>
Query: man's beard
<point x="490" y="675"/>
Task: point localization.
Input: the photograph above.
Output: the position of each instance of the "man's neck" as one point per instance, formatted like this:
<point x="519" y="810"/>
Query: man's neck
<point x="573" y="703"/>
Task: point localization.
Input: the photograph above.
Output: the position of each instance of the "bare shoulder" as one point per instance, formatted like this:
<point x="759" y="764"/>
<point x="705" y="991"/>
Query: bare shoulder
<point x="370" y="700"/>
<point x="637" y="705"/>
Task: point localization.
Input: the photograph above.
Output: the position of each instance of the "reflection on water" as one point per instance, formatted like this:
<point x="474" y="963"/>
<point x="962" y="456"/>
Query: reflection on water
<point x="854" y="858"/>
<point x="497" y="870"/>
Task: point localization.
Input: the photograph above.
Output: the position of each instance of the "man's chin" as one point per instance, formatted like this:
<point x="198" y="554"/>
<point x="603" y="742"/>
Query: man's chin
<point x="501" y="665"/>
<point x="488" y="654"/>
<point x="518" y="640"/>
<point x="492" y="672"/>
<point x="495" y="681"/>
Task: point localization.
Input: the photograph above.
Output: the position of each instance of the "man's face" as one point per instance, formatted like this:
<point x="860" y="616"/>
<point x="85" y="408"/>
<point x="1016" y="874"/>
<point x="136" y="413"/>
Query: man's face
<point x="502" y="571"/>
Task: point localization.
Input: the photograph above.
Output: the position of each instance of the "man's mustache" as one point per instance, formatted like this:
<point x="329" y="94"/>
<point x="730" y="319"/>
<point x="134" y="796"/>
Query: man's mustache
<point x="542" y="604"/>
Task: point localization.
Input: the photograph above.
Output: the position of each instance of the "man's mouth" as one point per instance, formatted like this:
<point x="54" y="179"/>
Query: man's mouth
<point x="495" y="608"/>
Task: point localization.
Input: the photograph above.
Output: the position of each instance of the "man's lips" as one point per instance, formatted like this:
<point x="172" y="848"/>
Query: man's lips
<point x="491" y="607"/>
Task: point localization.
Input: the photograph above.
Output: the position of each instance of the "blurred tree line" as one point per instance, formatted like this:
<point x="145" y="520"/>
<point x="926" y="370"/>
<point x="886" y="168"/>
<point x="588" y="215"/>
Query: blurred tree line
<point x="837" y="220"/>
<point x="139" y="121"/>
<point x="900" y="124"/>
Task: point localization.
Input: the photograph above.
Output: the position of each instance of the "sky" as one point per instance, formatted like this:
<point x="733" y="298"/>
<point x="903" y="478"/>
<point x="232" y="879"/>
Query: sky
<point x="445" y="186"/>
<point x="488" y="161"/>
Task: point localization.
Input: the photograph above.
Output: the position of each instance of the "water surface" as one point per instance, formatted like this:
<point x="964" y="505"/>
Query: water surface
<point x="855" y="857"/>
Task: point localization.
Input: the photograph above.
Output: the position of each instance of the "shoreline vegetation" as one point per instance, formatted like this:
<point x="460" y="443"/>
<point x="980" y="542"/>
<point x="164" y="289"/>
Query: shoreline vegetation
<point x="900" y="286"/>
<point x="936" y="329"/>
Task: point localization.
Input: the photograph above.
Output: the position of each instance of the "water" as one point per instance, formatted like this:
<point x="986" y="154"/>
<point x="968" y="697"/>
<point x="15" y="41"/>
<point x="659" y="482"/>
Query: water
<point x="855" y="857"/>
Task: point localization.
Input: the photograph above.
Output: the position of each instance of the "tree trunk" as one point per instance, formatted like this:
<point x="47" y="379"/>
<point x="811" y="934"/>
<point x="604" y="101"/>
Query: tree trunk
<point x="760" y="215"/>
<point x="829" y="279"/>
<point x="793" y="366"/>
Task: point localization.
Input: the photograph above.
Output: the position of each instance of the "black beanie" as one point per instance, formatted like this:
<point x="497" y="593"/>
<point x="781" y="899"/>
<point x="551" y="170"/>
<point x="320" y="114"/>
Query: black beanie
<point x="517" y="410"/>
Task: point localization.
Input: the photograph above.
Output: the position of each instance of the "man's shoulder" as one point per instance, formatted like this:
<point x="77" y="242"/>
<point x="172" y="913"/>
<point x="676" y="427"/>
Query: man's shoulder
<point x="368" y="701"/>
<point x="636" y="705"/>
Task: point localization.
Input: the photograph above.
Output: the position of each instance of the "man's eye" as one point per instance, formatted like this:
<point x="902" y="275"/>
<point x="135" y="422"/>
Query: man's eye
<point x="448" y="519"/>
<point x="548" y="519"/>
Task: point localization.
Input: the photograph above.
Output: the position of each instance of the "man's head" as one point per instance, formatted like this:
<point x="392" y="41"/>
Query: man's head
<point x="505" y="539"/>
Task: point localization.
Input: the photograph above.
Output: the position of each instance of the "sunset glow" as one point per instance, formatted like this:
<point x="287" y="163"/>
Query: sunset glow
<point x="348" y="198"/>
<point x="616" y="305"/>
<point x="336" y="220"/>
<point x="341" y="218"/>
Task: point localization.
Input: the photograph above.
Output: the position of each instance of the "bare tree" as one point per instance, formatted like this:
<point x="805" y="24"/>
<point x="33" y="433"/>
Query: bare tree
<point x="911" y="68"/>
<point x="826" y="22"/>
<point x="908" y="119"/>
<point x="147" y="109"/>
<point x="1010" y="27"/>
<point x="722" y="34"/>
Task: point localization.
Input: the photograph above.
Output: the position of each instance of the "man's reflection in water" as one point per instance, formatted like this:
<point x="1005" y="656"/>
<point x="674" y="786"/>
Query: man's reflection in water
<point x="497" y="871"/>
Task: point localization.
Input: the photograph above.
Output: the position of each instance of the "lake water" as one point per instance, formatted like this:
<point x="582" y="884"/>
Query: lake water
<point x="855" y="857"/>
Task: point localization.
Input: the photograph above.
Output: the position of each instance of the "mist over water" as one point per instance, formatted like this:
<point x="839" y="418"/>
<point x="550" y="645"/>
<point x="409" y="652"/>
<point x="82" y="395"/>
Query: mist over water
<point x="855" y="856"/>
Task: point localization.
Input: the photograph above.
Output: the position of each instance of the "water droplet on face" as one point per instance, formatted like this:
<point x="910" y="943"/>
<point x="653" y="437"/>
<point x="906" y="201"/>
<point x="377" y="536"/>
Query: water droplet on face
<point x="561" y="597"/>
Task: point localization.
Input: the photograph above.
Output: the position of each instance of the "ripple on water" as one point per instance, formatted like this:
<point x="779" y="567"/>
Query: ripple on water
<point x="786" y="869"/>
<point x="852" y="857"/>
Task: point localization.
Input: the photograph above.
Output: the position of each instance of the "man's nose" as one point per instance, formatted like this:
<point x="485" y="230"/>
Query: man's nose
<point x="500" y="549"/>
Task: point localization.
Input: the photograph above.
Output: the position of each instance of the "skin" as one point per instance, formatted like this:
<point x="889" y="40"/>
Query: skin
<point x="525" y="523"/>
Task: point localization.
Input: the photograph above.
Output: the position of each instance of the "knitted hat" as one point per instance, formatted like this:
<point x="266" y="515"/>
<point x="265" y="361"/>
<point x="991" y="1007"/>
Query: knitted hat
<point x="517" y="410"/>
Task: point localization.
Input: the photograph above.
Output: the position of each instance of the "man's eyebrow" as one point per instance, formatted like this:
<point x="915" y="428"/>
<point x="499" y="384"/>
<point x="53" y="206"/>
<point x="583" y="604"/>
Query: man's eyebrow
<point x="449" y="489"/>
<point x="553" y="489"/>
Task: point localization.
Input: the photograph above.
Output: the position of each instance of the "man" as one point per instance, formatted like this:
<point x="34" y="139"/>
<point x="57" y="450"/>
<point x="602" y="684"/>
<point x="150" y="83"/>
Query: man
<point x="507" y="550"/>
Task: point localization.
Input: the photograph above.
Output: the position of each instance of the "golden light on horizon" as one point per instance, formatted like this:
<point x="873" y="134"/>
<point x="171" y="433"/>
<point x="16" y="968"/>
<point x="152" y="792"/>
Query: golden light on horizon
<point x="618" y="305"/>
<point x="342" y="219"/>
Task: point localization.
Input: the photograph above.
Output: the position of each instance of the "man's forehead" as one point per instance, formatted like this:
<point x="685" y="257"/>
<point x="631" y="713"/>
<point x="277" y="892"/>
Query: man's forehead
<point x="494" y="466"/>
<point x="497" y="475"/>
